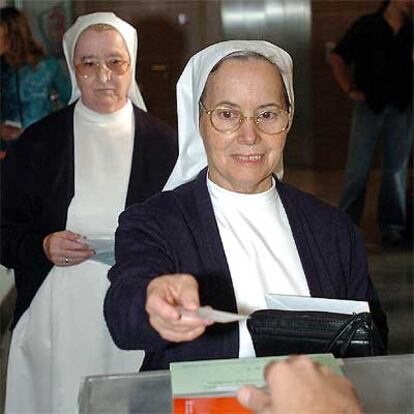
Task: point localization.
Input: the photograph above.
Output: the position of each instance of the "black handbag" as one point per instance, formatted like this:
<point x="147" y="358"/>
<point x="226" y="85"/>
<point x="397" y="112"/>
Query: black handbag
<point x="280" y="332"/>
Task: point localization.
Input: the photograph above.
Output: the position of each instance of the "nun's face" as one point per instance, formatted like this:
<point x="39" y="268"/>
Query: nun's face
<point x="244" y="160"/>
<point x="98" y="57"/>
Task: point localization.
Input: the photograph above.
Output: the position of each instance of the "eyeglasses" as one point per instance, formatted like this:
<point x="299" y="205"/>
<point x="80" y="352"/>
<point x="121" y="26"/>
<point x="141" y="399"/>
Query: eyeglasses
<point x="89" y="68"/>
<point x="272" y="121"/>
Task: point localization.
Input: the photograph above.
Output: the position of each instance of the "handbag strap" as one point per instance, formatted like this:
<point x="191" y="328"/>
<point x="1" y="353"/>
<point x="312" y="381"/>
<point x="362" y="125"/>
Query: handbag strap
<point x="348" y="331"/>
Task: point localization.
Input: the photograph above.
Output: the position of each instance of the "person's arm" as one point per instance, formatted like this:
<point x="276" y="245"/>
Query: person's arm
<point x="344" y="56"/>
<point x="21" y="237"/>
<point x="298" y="385"/>
<point x="343" y="75"/>
<point x="140" y="305"/>
<point x="342" y="72"/>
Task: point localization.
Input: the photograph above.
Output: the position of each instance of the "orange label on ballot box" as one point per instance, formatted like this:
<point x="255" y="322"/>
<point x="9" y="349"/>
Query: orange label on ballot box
<point x="208" y="405"/>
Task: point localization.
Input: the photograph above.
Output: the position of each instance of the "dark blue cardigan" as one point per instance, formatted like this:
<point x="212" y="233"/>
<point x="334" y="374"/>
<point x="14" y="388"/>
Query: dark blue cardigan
<point x="176" y="232"/>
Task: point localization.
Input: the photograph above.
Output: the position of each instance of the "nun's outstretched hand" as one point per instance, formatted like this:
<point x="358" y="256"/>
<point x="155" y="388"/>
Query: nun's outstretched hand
<point x="167" y="297"/>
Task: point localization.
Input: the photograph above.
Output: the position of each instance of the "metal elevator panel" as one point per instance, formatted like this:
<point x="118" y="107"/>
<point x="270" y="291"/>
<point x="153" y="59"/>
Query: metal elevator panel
<point x="286" y="23"/>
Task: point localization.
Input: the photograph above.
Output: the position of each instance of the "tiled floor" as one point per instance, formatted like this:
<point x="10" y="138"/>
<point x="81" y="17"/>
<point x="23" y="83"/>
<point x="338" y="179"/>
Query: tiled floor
<point x="390" y="270"/>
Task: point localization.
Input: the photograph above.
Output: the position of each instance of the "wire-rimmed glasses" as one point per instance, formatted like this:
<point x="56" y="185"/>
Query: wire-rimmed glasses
<point x="88" y="68"/>
<point x="273" y="120"/>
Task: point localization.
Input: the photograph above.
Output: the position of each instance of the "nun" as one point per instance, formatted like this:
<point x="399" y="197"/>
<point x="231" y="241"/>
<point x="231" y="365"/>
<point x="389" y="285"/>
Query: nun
<point x="64" y="184"/>
<point x="227" y="230"/>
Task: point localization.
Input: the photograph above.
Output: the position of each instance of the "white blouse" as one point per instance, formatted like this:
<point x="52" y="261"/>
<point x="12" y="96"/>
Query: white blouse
<point x="260" y="250"/>
<point x="103" y="157"/>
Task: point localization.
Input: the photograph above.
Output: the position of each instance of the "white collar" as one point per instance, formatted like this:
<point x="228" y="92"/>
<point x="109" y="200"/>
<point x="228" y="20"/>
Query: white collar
<point x="241" y="200"/>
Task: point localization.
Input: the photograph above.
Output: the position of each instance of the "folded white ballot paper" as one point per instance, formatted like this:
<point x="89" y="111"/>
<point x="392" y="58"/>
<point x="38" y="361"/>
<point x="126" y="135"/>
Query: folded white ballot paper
<point x="307" y="303"/>
<point x="207" y="312"/>
<point x="104" y="248"/>
<point x="282" y="302"/>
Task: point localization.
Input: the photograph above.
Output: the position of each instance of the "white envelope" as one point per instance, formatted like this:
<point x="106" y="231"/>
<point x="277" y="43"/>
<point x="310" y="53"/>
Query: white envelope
<point x="103" y="246"/>
<point x="306" y="303"/>
<point x="207" y="312"/>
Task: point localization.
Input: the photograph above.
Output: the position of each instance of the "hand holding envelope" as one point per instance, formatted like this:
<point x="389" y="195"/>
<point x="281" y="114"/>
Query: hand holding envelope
<point x="103" y="245"/>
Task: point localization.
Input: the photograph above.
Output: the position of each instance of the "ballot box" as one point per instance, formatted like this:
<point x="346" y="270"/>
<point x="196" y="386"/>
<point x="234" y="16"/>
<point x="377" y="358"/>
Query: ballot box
<point x="385" y="384"/>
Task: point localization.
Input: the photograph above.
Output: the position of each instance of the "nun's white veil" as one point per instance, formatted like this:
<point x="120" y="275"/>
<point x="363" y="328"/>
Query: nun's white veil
<point x="129" y="35"/>
<point x="192" y="157"/>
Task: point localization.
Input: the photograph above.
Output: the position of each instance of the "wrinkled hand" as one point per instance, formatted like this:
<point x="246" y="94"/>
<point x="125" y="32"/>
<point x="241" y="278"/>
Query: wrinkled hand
<point x="298" y="385"/>
<point x="356" y="95"/>
<point x="8" y="132"/>
<point x="164" y="295"/>
<point x="65" y="248"/>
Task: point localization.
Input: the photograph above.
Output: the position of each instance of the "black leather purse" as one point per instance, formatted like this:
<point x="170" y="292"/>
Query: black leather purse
<point x="280" y="332"/>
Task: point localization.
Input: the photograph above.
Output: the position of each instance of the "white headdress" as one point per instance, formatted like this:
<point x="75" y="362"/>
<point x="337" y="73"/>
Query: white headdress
<point x="192" y="157"/>
<point x="129" y="35"/>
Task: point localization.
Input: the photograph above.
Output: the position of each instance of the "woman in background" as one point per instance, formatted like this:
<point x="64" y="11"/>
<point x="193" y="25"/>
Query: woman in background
<point x="66" y="181"/>
<point x="29" y="79"/>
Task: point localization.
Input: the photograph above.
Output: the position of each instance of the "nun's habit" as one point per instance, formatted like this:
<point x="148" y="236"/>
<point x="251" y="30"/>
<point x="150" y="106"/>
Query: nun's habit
<point x="62" y="336"/>
<point x="238" y="246"/>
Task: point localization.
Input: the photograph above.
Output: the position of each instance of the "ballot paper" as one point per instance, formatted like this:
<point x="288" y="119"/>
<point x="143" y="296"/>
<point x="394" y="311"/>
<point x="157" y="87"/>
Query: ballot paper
<point x="306" y="303"/>
<point x="208" y="313"/>
<point x="103" y="246"/>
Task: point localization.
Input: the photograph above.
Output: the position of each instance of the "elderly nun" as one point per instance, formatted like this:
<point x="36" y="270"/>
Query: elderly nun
<point x="65" y="183"/>
<point x="233" y="231"/>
